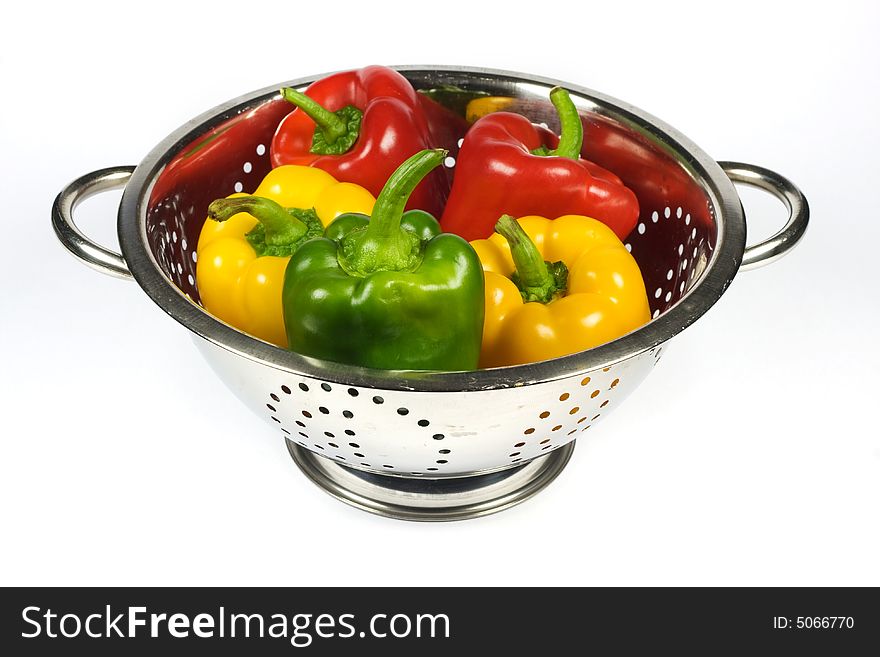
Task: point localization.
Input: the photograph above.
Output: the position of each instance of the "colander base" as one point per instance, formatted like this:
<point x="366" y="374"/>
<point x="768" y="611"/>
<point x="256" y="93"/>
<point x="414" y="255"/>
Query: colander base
<point x="456" y="498"/>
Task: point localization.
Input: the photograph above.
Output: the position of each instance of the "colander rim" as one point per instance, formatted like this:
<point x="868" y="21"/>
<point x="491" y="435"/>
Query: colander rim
<point x="717" y="276"/>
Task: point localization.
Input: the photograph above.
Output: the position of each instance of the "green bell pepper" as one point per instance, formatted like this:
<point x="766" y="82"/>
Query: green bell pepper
<point x="387" y="291"/>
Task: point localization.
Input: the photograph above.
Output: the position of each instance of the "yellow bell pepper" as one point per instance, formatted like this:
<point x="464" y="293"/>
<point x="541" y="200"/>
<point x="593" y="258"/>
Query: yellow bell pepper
<point x="480" y="107"/>
<point x="555" y="287"/>
<point x="247" y="240"/>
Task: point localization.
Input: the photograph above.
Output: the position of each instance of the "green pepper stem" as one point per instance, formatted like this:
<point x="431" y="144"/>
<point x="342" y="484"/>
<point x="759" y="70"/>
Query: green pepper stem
<point x="388" y="210"/>
<point x="280" y="225"/>
<point x="536" y="279"/>
<point x="383" y="244"/>
<point x="571" y="131"/>
<point x="330" y="125"/>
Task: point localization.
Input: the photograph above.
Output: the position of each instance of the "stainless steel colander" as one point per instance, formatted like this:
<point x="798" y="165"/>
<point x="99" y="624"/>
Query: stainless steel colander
<point x="437" y="446"/>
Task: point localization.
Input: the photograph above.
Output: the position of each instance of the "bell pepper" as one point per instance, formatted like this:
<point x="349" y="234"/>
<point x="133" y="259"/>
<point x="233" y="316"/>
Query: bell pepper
<point x="247" y="240"/>
<point x="480" y="107"/>
<point x="555" y="287"/>
<point x="509" y="165"/>
<point x="387" y="291"/>
<point x="360" y="126"/>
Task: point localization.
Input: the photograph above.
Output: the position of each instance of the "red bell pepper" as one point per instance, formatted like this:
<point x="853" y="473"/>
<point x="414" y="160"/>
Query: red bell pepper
<point x="508" y="165"/>
<point x="359" y="126"/>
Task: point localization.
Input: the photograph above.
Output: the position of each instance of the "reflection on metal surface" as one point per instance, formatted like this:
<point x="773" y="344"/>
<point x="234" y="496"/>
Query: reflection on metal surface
<point x="427" y="500"/>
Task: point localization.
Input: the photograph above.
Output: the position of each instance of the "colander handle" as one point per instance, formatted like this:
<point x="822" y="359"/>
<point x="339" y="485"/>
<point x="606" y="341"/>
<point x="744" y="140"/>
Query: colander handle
<point x="789" y="235"/>
<point x="73" y="239"/>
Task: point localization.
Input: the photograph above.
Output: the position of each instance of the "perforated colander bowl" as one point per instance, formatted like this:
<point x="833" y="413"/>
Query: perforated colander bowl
<point x="437" y="446"/>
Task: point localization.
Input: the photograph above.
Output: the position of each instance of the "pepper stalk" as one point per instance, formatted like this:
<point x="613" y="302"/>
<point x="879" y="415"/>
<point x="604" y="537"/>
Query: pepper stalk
<point x="537" y="279"/>
<point x="279" y="230"/>
<point x="571" y="129"/>
<point x="335" y="132"/>
<point x="383" y="245"/>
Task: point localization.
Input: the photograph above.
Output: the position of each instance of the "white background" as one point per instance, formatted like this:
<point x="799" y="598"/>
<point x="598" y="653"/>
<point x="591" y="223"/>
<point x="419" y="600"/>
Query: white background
<point x="751" y="455"/>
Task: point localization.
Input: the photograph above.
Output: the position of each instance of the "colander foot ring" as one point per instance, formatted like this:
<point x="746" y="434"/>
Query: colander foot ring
<point x="410" y="498"/>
